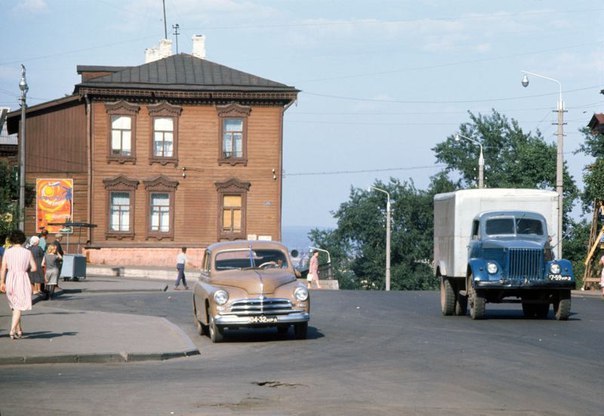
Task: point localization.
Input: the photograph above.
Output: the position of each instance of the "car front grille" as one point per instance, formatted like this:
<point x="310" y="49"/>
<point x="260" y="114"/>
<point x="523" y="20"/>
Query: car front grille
<point x="525" y="264"/>
<point x="263" y="306"/>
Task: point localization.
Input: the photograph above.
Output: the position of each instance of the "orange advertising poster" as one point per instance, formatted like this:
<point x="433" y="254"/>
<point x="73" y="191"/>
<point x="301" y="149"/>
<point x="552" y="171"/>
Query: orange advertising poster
<point x="54" y="203"/>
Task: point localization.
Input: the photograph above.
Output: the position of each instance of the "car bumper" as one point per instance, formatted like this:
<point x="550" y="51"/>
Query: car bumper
<point x="548" y="284"/>
<point x="262" y="320"/>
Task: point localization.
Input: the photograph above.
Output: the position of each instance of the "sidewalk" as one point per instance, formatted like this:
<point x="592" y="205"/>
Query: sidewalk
<point x="54" y="335"/>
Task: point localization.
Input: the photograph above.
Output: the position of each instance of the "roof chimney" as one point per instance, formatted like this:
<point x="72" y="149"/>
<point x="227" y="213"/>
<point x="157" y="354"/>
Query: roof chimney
<point x="199" y="46"/>
<point x="162" y="51"/>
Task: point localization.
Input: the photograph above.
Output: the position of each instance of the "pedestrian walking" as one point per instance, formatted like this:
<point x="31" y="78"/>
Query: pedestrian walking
<point x="181" y="262"/>
<point x="14" y="280"/>
<point x="36" y="277"/>
<point x="313" y="270"/>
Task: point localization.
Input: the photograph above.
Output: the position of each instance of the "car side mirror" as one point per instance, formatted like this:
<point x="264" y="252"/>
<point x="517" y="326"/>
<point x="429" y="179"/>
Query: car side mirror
<point x="294" y="253"/>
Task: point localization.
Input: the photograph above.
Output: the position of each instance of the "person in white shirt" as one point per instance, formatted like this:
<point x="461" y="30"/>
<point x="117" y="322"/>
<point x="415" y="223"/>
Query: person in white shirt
<point x="181" y="262"/>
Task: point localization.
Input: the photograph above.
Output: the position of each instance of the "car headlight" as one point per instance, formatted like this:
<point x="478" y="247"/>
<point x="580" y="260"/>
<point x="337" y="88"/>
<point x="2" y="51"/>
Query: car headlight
<point x="301" y="293"/>
<point x="492" y="268"/>
<point x="554" y="268"/>
<point x="221" y="297"/>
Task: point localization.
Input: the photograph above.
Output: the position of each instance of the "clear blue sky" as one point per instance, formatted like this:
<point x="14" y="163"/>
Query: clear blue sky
<point x="383" y="81"/>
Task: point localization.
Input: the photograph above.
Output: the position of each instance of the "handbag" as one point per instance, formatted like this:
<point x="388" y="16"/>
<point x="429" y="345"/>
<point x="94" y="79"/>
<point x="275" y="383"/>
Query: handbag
<point x="309" y="277"/>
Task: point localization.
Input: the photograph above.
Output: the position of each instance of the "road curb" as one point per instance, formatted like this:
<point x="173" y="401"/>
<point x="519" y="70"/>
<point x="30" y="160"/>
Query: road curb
<point x="97" y="358"/>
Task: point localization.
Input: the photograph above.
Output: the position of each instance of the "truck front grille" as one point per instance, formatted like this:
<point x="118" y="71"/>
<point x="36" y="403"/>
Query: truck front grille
<point x="525" y="264"/>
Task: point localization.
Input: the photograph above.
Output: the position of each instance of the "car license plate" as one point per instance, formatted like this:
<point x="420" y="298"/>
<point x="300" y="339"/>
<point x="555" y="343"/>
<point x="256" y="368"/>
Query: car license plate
<point x="262" y="319"/>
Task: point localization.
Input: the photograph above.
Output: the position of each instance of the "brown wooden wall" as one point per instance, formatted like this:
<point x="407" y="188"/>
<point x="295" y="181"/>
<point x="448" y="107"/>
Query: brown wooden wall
<point x="57" y="144"/>
<point x="56" y="141"/>
<point x="196" y="198"/>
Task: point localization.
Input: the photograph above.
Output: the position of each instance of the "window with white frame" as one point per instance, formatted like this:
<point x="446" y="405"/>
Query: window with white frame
<point x="232" y="139"/>
<point x="120" y="206"/>
<point x="160" y="212"/>
<point x="121" y="122"/>
<point x="163" y="137"/>
<point x="119" y="211"/>
<point x="233" y="134"/>
<point x="121" y="136"/>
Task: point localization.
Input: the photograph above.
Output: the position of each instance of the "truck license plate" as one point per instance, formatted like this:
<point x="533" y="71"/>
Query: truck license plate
<point x="558" y="277"/>
<point x="262" y="319"/>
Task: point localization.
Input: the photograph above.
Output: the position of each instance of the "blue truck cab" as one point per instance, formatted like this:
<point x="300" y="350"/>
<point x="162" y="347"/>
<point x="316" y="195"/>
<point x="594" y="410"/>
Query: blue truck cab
<point x="510" y="259"/>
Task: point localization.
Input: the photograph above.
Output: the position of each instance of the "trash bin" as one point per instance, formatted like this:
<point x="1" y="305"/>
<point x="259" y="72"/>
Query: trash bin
<point x="74" y="267"/>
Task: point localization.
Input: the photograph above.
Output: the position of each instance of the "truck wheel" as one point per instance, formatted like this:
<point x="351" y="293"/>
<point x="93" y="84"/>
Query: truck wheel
<point x="562" y="307"/>
<point x="477" y="303"/>
<point x="447" y="297"/>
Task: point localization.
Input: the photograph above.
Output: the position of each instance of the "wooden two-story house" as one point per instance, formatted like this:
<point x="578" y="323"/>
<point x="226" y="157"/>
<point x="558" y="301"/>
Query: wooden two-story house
<point x="176" y="152"/>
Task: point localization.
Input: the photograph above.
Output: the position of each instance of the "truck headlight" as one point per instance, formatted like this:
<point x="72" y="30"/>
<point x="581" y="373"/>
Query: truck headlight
<point x="554" y="268"/>
<point x="221" y="297"/>
<point x="492" y="267"/>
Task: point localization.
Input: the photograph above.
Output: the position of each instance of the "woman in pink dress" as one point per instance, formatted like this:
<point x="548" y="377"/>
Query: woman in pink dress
<point x="14" y="280"/>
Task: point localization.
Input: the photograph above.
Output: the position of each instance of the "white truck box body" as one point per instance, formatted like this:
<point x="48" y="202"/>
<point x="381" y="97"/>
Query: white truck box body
<point x="455" y="211"/>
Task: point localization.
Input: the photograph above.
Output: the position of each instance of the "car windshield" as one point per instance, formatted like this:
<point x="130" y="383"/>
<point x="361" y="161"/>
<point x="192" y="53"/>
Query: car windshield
<point x="246" y="258"/>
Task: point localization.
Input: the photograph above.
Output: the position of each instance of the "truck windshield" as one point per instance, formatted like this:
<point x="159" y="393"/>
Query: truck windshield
<point x="497" y="226"/>
<point x="507" y="226"/>
<point x="529" y="226"/>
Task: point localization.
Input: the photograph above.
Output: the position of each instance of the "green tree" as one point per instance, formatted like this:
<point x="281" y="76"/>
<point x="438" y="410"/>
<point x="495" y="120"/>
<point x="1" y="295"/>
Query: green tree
<point x="513" y="159"/>
<point x="358" y="244"/>
<point x="593" y="178"/>
<point x="9" y="195"/>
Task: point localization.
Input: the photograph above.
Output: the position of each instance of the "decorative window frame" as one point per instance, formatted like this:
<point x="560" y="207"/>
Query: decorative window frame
<point x="121" y="108"/>
<point x="232" y="187"/>
<point x="163" y="110"/>
<point x="233" y="110"/>
<point x="120" y="184"/>
<point x="160" y="184"/>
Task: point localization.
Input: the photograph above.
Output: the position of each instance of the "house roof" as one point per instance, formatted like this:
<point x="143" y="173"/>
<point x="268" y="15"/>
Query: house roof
<point x="596" y="124"/>
<point x="179" y="72"/>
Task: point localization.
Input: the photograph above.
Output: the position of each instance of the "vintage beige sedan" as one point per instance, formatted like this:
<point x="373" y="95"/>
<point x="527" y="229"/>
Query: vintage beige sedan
<point x="249" y="284"/>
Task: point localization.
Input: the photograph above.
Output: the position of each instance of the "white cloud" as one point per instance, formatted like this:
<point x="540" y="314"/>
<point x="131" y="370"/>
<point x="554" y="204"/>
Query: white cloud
<point x="31" y="6"/>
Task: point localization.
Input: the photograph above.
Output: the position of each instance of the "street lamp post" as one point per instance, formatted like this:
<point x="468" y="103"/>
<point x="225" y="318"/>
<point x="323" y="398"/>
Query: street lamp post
<point x="480" y="159"/>
<point x="387" y="234"/>
<point x="560" y="153"/>
<point x="24" y="88"/>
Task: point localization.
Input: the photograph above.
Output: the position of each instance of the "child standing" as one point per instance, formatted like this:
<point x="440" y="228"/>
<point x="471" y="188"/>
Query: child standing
<point x="181" y="262"/>
<point x="51" y="261"/>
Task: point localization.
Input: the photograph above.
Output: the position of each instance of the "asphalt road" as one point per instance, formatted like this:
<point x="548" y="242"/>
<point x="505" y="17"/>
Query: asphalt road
<point x="368" y="353"/>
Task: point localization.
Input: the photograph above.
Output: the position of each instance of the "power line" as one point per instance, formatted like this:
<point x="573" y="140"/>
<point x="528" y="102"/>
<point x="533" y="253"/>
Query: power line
<point x="348" y="172"/>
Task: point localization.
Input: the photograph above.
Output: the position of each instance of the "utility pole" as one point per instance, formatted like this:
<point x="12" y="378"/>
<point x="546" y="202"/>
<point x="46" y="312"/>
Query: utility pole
<point x="165" y="23"/>
<point x="176" y="33"/>
<point x="24" y="88"/>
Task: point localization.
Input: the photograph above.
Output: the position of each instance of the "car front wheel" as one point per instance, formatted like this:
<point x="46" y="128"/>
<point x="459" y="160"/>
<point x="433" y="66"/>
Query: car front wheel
<point x="216" y="332"/>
